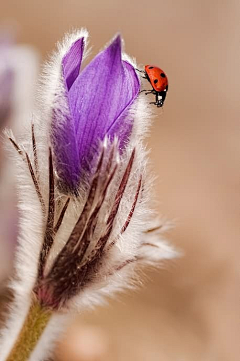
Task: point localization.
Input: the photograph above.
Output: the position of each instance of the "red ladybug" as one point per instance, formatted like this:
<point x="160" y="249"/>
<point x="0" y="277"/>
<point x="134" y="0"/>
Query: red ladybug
<point x="159" y="81"/>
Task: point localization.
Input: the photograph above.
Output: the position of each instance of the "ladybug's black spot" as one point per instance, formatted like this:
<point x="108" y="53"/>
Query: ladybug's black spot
<point x="155" y="81"/>
<point x="150" y="67"/>
<point x="163" y="75"/>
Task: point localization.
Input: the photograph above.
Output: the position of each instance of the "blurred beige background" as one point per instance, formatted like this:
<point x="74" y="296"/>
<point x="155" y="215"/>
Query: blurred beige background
<point x="191" y="310"/>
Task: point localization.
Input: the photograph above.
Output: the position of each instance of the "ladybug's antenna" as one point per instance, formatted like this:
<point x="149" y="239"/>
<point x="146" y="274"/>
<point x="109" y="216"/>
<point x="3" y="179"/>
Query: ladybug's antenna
<point x="140" y="71"/>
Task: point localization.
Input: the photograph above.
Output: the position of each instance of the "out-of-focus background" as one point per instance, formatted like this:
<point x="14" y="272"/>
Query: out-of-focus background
<point x="190" y="310"/>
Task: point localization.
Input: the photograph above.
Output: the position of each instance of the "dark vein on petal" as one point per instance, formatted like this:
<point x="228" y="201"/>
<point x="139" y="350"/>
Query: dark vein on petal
<point x="121" y="190"/>
<point x="34" y="179"/>
<point x="126" y="263"/>
<point x="16" y="146"/>
<point x="153" y="229"/>
<point x="149" y="244"/>
<point x="35" y="151"/>
<point x="126" y="224"/>
<point x="35" y="182"/>
<point x="103" y="196"/>
<point x="62" y="214"/>
<point x="110" y="159"/>
<point x="133" y="207"/>
<point x="49" y="233"/>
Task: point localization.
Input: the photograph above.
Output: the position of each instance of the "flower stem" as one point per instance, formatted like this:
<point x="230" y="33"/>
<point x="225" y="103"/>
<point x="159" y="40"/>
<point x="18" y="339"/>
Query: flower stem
<point x="33" y="327"/>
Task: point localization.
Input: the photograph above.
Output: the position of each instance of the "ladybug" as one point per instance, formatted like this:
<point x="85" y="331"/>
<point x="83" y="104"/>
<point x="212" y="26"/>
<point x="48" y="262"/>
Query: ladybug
<point x="159" y="82"/>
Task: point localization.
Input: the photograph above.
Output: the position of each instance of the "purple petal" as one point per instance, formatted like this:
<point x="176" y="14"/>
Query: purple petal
<point x="72" y="61"/>
<point x="65" y="150"/>
<point x="64" y="140"/>
<point x="99" y="97"/>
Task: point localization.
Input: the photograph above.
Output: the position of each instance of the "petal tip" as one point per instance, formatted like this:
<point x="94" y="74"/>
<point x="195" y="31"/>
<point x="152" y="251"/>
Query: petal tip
<point x="117" y="41"/>
<point x="71" y="61"/>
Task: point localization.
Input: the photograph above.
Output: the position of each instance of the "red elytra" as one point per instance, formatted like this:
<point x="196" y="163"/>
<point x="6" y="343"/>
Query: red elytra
<point x="157" y="78"/>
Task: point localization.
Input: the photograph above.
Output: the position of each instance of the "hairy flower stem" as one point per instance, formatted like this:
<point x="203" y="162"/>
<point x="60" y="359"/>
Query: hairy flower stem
<point x="34" y="325"/>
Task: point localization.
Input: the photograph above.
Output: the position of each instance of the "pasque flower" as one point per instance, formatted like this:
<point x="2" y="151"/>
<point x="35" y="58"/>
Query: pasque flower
<point x="84" y="195"/>
<point x="97" y="102"/>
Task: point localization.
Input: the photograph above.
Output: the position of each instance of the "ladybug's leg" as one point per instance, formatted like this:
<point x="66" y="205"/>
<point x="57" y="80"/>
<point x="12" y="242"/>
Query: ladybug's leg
<point x="150" y="92"/>
<point x="160" y="97"/>
<point x="147" y="91"/>
<point x="158" y="102"/>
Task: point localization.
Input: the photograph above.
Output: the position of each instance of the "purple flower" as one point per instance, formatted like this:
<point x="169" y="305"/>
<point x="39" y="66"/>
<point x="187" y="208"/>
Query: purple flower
<point x="98" y="101"/>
